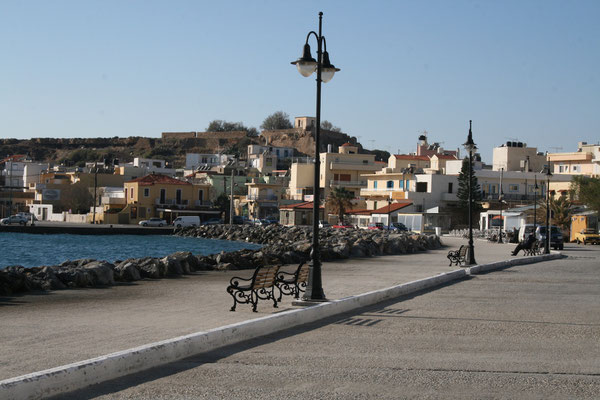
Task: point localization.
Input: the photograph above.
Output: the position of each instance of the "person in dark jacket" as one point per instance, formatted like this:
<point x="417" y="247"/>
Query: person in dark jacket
<point x="525" y="244"/>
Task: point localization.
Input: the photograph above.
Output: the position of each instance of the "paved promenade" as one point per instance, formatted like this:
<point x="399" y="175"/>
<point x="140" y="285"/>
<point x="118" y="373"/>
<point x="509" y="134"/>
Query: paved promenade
<point x="526" y="332"/>
<point x="46" y="330"/>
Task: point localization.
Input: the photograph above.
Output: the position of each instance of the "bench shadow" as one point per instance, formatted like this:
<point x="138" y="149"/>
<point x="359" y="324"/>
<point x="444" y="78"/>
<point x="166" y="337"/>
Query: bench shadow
<point x="214" y="356"/>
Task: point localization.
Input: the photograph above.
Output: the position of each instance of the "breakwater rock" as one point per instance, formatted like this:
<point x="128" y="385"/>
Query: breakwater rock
<point x="281" y="245"/>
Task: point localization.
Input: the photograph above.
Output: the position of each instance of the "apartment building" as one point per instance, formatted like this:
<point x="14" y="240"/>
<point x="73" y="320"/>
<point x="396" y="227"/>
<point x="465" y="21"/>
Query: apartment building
<point x="584" y="161"/>
<point x="516" y="156"/>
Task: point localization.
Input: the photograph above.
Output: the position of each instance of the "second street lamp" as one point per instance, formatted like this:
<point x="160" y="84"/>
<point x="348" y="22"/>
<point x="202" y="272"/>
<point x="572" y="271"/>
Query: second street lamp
<point x="548" y="229"/>
<point x="470" y="147"/>
<point x="325" y="70"/>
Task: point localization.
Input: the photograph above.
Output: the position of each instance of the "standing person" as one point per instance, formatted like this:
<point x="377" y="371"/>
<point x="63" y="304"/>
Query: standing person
<point x="525" y="244"/>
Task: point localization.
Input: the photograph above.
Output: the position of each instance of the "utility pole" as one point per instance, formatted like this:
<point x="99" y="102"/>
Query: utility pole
<point x="501" y="197"/>
<point x="231" y="201"/>
<point x="95" y="188"/>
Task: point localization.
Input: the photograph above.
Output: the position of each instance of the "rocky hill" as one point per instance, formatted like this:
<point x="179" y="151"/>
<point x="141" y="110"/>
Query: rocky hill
<point x="76" y="151"/>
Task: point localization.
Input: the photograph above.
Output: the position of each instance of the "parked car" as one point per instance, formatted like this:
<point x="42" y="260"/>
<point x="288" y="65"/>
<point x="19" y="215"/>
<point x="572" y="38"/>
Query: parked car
<point x="14" y="219"/>
<point x="28" y="216"/>
<point x="153" y="222"/>
<point x="375" y="225"/>
<point x="525" y="230"/>
<point x="556" y="236"/>
<point x="186" y="220"/>
<point x="213" y="221"/>
<point x="589" y="235"/>
<point x="397" y="226"/>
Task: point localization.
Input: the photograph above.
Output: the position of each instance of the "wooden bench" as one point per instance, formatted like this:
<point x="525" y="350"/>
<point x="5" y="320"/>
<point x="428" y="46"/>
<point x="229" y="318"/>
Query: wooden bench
<point x="292" y="283"/>
<point x="260" y="286"/>
<point x="458" y="257"/>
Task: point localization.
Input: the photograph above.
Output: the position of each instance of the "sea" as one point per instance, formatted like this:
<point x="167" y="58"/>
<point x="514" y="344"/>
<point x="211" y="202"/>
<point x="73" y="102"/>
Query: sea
<point x="31" y="250"/>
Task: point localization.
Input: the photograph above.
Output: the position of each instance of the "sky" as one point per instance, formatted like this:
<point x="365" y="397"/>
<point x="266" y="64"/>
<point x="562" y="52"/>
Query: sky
<point x="524" y="70"/>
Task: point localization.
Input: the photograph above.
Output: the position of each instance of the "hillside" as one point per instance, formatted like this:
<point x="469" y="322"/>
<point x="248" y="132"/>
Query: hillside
<point x="76" y="151"/>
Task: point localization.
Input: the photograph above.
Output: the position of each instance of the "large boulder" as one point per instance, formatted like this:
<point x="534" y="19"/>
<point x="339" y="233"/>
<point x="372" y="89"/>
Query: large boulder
<point x="127" y="271"/>
<point x="101" y="271"/>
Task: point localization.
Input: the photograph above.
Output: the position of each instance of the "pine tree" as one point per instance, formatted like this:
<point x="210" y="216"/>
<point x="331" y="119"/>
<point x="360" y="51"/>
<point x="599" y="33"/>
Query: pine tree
<point x="463" y="192"/>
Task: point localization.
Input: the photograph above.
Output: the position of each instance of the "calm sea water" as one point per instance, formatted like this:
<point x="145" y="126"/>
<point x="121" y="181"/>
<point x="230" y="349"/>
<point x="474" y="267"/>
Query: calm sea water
<point x="36" y="250"/>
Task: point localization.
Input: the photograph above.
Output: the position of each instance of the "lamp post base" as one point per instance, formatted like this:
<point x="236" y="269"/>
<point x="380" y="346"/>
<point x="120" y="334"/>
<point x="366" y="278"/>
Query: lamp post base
<point x="308" y="302"/>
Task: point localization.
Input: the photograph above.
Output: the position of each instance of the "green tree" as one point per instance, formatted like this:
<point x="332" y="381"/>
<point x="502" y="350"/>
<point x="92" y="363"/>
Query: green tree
<point x="561" y="209"/>
<point x="224" y="126"/>
<point x="338" y="202"/>
<point x="222" y="204"/>
<point x="328" y="126"/>
<point x="277" y="120"/>
<point x="463" y="192"/>
<point x="77" y="197"/>
<point x="587" y="190"/>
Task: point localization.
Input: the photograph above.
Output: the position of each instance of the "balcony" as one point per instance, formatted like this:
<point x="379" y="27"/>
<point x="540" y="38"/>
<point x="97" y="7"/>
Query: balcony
<point x="353" y="165"/>
<point x="171" y="203"/>
<point x="334" y="183"/>
<point x="261" y="197"/>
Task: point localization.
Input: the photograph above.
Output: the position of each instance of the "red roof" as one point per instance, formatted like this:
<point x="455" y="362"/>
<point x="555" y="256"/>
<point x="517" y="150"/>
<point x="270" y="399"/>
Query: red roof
<point x="15" y="158"/>
<point x="361" y="211"/>
<point x="348" y="144"/>
<point x="306" y="205"/>
<point x="410" y="157"/>
<point x="154" y="179"/>
<point x="392" y="207"/>
<point x="446" y="156"/>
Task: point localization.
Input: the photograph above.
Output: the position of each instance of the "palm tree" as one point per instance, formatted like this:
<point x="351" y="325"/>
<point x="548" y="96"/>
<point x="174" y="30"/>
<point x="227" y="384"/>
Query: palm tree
<point x="560" y="207"/>
<point x="338" y="202"/>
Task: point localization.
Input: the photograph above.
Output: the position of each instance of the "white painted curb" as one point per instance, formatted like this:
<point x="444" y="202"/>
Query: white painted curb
<point x="82" y="374"/>
<point x="70" y="377"/>
<point x="477" y="269"/>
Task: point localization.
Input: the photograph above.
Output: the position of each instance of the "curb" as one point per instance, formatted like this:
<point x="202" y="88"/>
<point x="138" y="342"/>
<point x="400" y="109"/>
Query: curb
<point x="478" y="269"/>
<point x="71" y="377"/>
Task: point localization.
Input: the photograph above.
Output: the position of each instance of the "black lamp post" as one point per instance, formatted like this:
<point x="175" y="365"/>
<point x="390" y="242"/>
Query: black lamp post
<point x="501" y="197"/>
<point x="470" y="147"/>
<point x="325" y="70"/>
<point x="548" y="233"/>
<point x="535" y="189"/>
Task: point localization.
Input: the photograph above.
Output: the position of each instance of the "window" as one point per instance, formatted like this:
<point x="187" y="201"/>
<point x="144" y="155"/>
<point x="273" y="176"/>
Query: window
<point x="178" y="196"/>
<point x="513" y="188"/>
<point x="402" y="185"/>
<point x="407" y="186"/>
<point x="146" y="192"/>
<point x="163" y="196"/>
<point x="132" y="193"/>
<point x="390" y="184"/>
<point x="200" y="194"/>
<point x="374" y="184"/>
<point x="449" y="187"/>
<point x="421" y="187"/>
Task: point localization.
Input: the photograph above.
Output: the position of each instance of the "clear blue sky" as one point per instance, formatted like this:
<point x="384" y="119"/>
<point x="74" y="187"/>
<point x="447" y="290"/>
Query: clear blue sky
<point x="519" y="69"/>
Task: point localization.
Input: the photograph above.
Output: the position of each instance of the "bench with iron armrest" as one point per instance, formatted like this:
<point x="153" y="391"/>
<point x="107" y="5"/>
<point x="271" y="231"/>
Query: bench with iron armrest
<point x="458" y="257"/>
<point x="260" y="286"/>
<point x="535" y="249"/>
<point x="292" y="283"/>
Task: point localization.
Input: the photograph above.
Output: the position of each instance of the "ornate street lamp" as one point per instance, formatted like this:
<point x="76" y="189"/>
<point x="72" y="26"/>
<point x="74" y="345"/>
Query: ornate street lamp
<point x="325" y="70"/>
<point x="548" y="233"/>
<point x="470" y="147"/>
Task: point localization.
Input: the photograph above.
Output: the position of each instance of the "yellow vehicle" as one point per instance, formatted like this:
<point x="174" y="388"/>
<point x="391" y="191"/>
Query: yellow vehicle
<point x="586" y="236"/>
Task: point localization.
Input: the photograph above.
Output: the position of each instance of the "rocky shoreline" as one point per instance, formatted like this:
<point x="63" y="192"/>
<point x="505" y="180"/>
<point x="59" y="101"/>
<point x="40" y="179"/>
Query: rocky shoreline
<point x="281" y="245"/>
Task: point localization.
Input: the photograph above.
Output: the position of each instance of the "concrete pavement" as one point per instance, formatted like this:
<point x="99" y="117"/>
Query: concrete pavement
<point x="528" y="332"/>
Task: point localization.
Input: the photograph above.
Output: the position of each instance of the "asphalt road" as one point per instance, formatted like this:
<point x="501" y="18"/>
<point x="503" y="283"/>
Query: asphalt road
<point x="528" y="332"/>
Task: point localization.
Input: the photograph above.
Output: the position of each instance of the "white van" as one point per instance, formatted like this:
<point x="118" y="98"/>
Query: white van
<point x="188" y="220"/>
<point x="525" y="230"/>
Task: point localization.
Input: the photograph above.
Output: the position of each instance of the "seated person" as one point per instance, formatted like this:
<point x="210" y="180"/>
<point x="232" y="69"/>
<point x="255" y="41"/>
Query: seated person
<point x="525" y="244"/>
